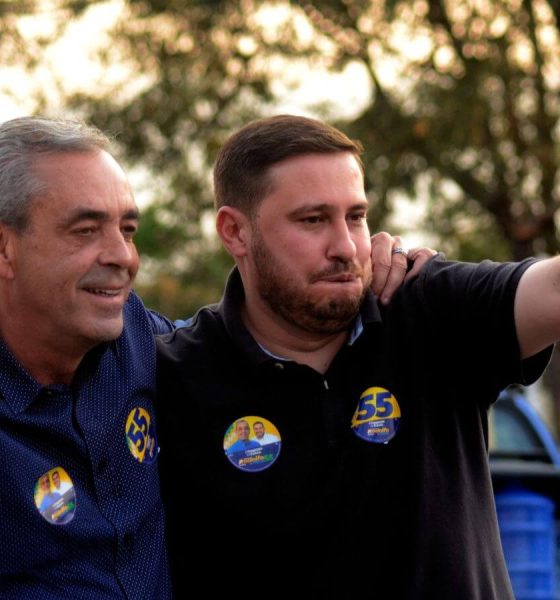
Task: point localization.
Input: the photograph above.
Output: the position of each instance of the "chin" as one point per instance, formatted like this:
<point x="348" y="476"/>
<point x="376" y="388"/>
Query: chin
<point x="344" y="297"/>
<point x="106" y="332"/>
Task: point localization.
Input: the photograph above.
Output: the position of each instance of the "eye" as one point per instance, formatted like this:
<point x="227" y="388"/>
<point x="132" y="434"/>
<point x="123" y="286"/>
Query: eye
<point x="85" y="231"/>
<point x="129" y="231"/>
<point x="312" y="219"/>
<point x="357" y="217"/>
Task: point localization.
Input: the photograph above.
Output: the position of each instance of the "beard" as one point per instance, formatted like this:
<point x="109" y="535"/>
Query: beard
<point x="276" y="286"/>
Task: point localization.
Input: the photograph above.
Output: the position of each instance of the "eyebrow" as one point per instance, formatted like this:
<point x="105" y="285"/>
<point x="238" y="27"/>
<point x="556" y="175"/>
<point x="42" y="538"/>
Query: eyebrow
<point x="88" y="214"/>
<point x="303" y="210"/>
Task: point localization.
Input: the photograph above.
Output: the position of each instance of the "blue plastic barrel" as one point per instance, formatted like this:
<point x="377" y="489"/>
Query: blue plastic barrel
<point x="528" y="533"/>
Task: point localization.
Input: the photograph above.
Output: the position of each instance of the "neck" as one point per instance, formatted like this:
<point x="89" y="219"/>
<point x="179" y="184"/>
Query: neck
<point x="46" y="372"/>
<point x="288" y="341"/>
<point x="45" y="360"/>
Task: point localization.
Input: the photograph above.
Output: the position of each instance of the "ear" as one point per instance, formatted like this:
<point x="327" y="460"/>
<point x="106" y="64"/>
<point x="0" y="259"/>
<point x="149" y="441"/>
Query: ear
<point x="7" y="253"/>
<point x="234" y="229"/>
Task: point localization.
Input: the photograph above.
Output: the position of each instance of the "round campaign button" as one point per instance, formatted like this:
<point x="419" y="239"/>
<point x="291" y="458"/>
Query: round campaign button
<point x="252" y="443"/>
<point x="377" y="416"/>
<point x="141" y="436"/>
<point x="55" y="497"/>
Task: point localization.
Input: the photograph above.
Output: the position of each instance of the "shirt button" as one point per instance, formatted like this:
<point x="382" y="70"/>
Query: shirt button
<point x="279" y="366"/>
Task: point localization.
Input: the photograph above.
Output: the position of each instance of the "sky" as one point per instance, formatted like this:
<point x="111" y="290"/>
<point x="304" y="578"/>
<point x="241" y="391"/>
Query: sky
<point x="71" y="59"/>
<point x="71" y="64"/>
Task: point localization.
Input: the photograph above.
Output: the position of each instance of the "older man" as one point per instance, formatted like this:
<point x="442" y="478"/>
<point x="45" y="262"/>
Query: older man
<point x="77" y="374"/>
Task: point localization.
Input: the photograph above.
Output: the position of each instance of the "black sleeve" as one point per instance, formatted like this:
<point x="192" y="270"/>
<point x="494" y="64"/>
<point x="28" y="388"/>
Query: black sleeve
<point x="470" y="307"/>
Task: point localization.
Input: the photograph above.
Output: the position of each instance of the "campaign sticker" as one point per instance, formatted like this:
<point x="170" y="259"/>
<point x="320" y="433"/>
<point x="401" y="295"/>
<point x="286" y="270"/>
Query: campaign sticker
<point x="252" y="443"/>
<point x="141" y="436"/>
<point x="55" y="497"/>
<point x="377" y="416"/>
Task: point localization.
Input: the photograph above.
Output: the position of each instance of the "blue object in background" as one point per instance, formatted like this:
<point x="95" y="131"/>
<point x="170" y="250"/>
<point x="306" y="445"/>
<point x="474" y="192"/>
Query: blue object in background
<point x="520" y="431"/>
<point x="528" y="533"/>
<point x="525" y="466"/>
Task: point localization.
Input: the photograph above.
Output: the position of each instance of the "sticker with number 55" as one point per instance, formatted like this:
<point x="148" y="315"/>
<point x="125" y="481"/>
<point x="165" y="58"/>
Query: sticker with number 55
<point x="377" y="416"/>
<point x="141" y="436"/>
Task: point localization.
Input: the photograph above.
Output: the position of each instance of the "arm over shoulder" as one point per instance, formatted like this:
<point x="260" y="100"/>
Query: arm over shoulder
<point x="159" y="323"/>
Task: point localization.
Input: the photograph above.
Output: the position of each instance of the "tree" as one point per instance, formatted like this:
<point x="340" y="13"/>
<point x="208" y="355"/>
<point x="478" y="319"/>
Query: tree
<point x="466" y="119"/>
<point x="461" y="112"/>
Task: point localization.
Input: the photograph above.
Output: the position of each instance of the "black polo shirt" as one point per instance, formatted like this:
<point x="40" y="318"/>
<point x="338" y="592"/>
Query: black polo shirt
<point x="398" y="508"/>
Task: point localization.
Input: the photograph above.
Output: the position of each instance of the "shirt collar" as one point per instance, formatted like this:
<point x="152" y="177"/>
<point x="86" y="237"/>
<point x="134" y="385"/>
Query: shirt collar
<point x="17" y="386"/>
<point x="230" y="311"/>
<point x="19" y="389"/>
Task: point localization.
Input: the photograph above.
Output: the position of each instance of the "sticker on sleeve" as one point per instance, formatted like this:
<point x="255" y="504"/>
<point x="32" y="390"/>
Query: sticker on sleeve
<point x="252" y="443"/>
<point x="377" y="416"/>
<point x="141" y="436"/>
<point x="55" y="497"/>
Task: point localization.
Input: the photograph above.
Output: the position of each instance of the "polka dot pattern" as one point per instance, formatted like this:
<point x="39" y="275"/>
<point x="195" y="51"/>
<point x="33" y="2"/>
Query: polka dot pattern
<point x="114" y="546"/>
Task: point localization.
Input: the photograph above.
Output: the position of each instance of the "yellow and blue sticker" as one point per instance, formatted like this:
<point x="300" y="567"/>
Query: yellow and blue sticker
<point x="252" y="443"/>
<point x="141" y="436"/>
<point x="55" y="496"/>
<point x="377" y="416"/>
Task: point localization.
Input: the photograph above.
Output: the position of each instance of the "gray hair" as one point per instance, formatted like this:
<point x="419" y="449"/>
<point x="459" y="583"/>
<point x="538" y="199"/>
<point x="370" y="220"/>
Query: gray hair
<point x="22" y="141"/>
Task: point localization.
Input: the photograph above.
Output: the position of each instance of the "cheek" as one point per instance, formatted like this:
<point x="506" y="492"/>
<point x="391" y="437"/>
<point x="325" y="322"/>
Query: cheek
<point x="135" y="262"/>
<point x="363" y="250"/>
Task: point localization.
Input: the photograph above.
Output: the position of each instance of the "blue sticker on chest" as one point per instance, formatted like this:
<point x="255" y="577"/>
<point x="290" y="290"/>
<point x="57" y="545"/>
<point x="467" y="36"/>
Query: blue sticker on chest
<point x="55" y="496"/>
<point x="377" y="416"/>
<point x="252" y="443"/>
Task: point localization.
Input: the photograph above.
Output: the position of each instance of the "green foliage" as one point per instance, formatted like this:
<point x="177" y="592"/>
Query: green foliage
<point x="463" y="114"/>
<point x="180" y="294"/>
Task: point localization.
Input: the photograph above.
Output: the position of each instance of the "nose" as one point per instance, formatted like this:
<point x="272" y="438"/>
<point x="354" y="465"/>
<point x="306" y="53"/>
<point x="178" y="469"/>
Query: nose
<point x="118" y="251"/>
<point x="342" y="246"/>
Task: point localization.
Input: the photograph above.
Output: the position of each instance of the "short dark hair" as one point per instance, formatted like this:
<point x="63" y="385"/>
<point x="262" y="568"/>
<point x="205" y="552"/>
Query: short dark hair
<point x="241" y="171"/>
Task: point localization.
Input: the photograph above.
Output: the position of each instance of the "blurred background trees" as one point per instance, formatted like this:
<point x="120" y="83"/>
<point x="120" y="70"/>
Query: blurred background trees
<point x="457" y="103"/>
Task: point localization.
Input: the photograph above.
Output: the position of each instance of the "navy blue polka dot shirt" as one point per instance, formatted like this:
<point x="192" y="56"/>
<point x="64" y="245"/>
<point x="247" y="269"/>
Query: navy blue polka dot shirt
<point x="80" y="509"/>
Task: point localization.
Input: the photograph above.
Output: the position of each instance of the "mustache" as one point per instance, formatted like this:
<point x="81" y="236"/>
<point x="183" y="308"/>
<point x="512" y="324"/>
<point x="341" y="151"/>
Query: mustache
<point x="338" y="268"/>
<point x="106" y="277"/>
